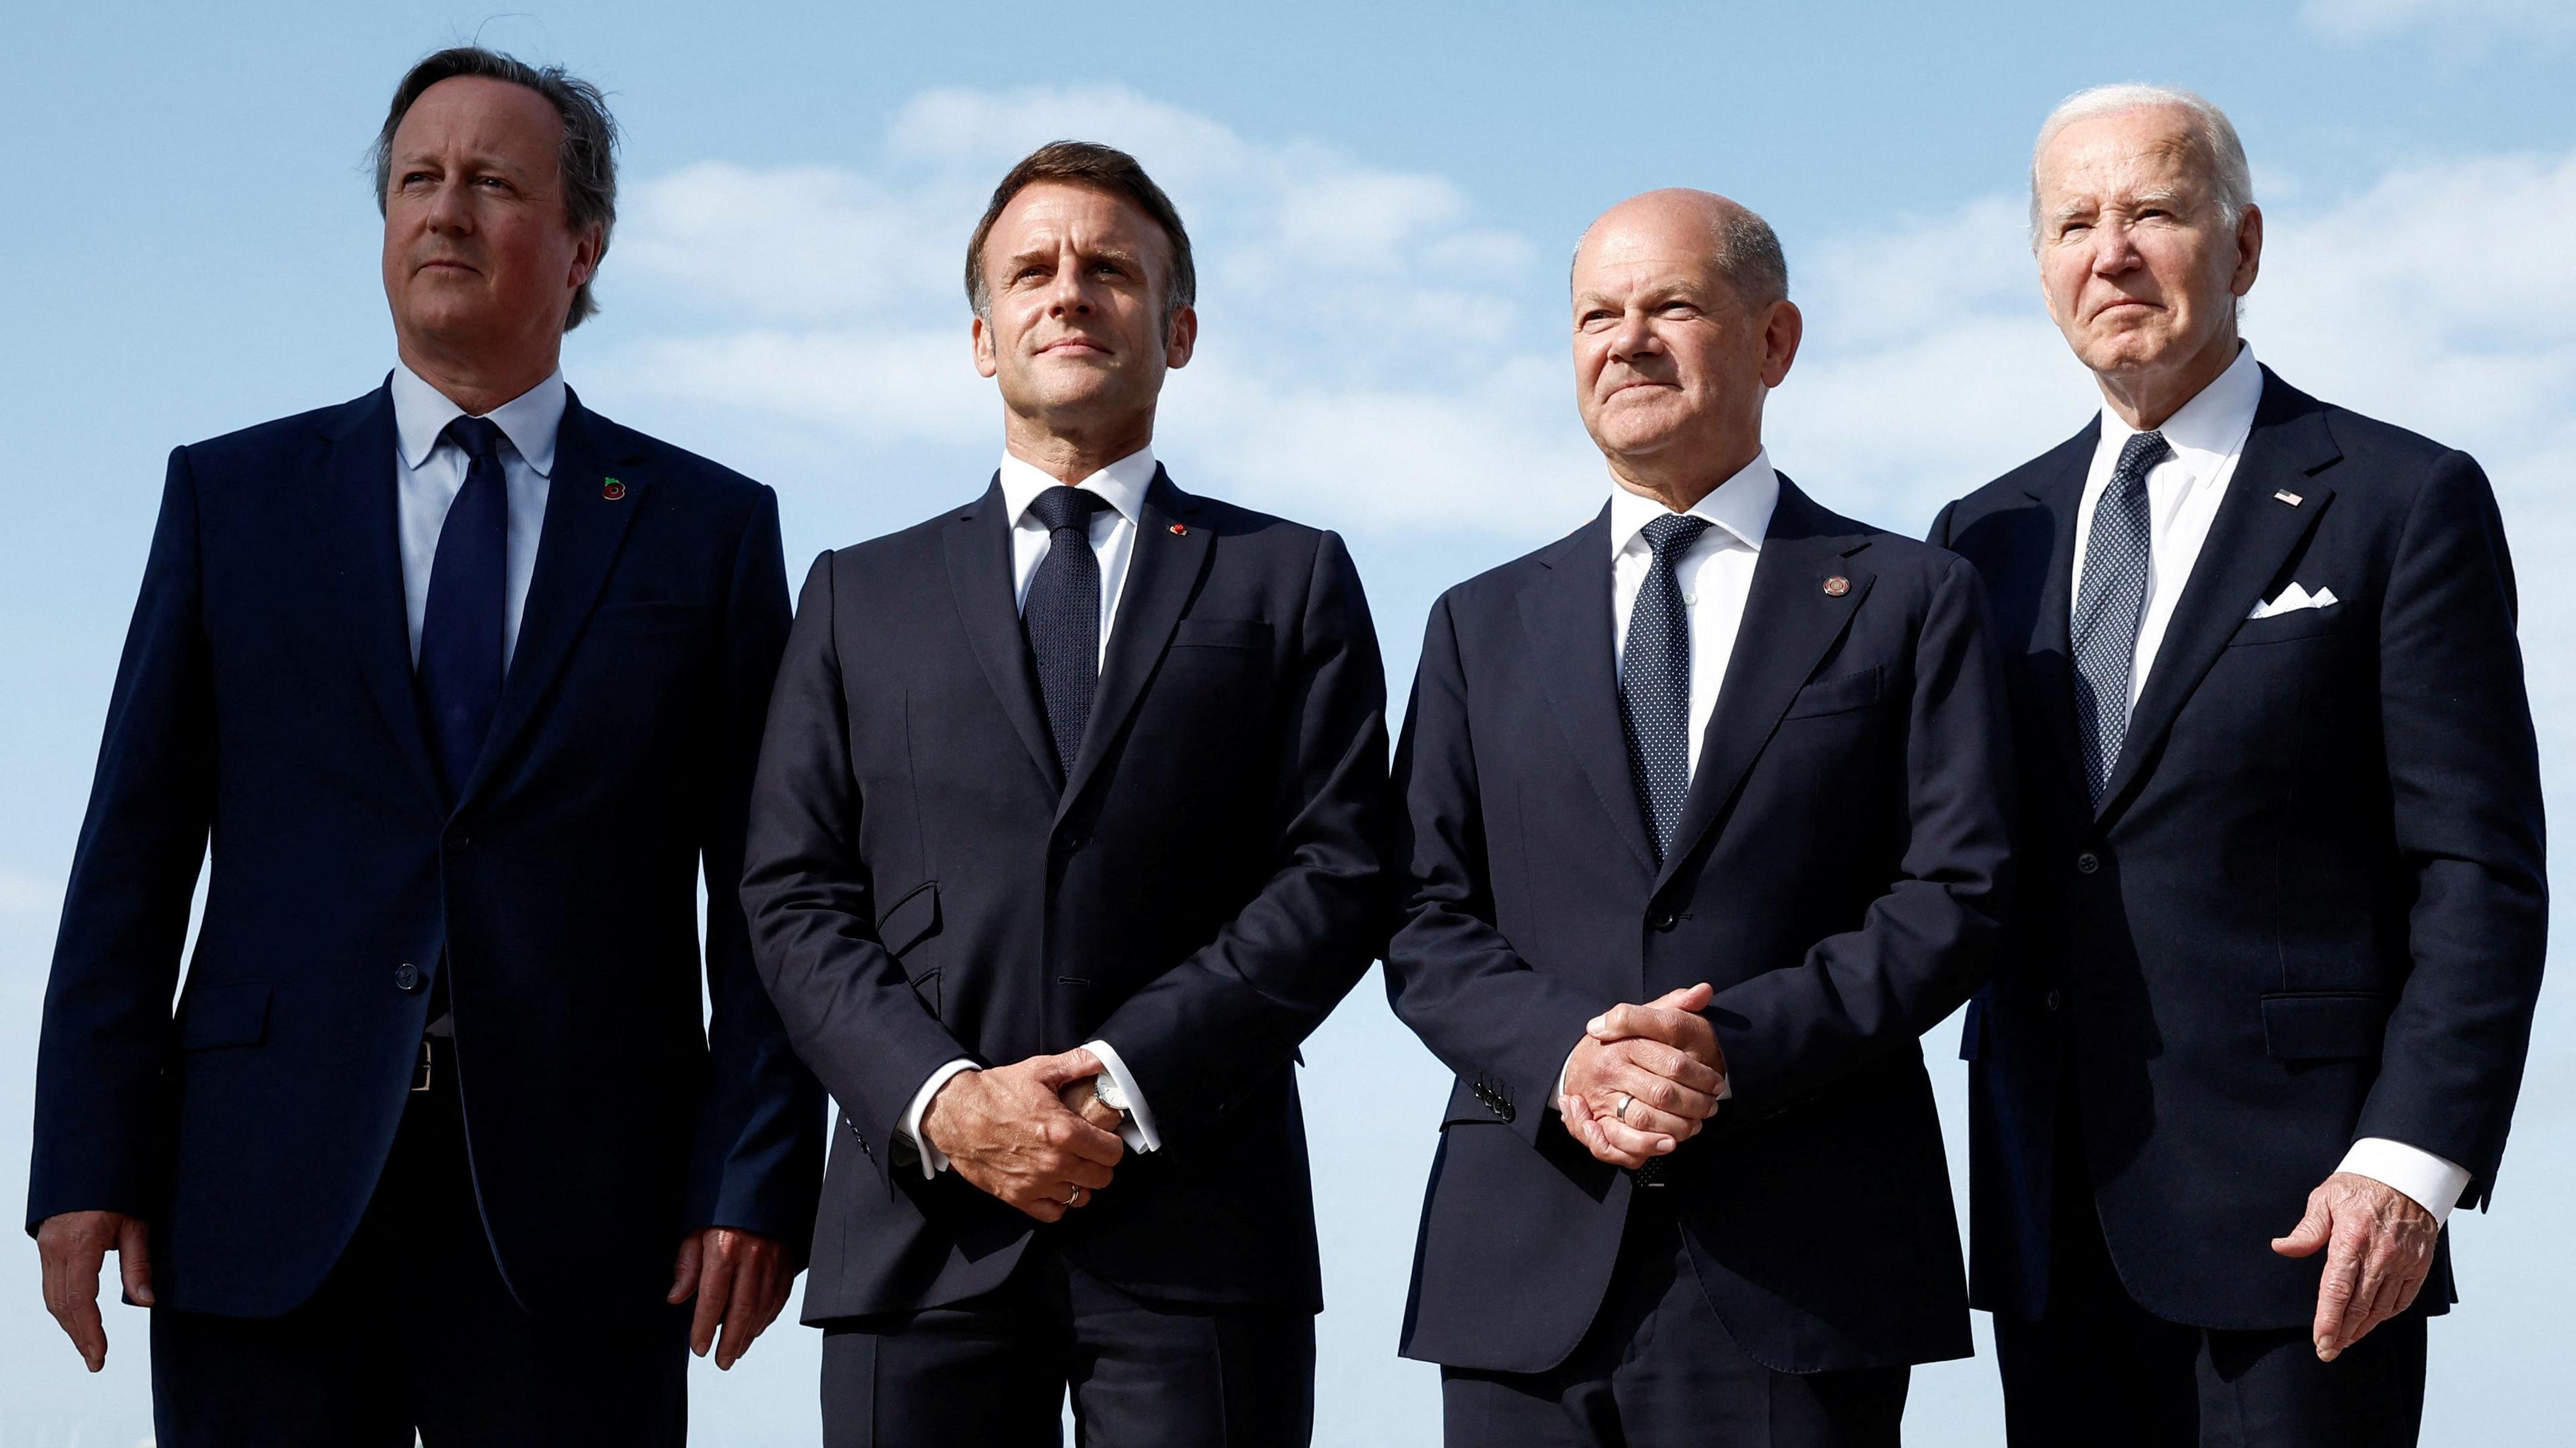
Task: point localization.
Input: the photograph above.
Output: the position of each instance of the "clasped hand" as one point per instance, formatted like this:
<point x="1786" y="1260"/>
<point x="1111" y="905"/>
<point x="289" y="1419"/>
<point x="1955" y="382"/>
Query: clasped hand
<point x="1660" y="1061"/>
<point x="1031" y="1134"/>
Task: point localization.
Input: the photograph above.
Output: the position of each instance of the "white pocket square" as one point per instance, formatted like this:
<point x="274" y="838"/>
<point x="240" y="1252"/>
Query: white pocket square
<point x="2292" y="599"/>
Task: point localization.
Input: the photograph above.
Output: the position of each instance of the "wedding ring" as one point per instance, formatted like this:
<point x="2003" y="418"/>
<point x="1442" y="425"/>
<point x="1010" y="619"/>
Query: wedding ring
<point x="1074" y="1197"/>
<point x="1624" y="1102"/>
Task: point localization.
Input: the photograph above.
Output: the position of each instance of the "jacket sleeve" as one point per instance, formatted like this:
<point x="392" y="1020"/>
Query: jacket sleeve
<point x="1929" y="940"/>
<point x="758" y="1160"/>
<point x="1451" y="975"/>
<point x="2464" y="787"/>
<point x="849" y="1011"/>
<point x="1207" y="1031"/>
<point x="101" y="1127"/>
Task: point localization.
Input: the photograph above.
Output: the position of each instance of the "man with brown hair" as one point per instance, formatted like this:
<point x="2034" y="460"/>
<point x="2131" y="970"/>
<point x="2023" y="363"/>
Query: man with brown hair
<point x="1068" y="829"/>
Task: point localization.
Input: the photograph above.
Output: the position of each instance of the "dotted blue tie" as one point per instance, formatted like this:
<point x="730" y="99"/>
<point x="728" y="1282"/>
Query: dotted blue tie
<point x="2108" y="605"/>
<point x="1062" y="616"/>
<point x="1654" y="680"/>
<point x="459" y="673"/>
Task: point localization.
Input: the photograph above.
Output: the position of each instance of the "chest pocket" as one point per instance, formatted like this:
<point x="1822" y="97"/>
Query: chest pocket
<point x="1839" y="695"/>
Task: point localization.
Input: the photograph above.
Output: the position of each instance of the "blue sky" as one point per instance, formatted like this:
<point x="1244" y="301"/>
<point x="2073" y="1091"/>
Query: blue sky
<point x="1383" y="198"/>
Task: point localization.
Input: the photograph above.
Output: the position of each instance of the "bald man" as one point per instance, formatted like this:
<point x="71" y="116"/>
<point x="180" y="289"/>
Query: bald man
<point x="1706" y="827"/>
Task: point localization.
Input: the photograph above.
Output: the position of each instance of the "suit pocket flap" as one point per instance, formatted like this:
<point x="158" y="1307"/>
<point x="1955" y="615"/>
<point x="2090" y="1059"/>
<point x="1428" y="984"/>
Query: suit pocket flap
<point x="1221" y="633"/>
<point x="1836" y="695"/>
<point x="2324" y="1027"/>
<point x="913" y="917"/>
<point x="223" y="1015"/>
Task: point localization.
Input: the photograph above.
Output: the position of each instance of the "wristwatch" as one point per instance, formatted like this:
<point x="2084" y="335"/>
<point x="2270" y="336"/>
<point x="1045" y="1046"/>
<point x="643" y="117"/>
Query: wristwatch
<point x="1105" y="1086"/>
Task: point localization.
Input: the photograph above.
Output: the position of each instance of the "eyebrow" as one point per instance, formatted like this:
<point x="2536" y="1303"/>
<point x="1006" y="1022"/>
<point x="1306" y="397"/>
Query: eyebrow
<point x="1087" y="253"/>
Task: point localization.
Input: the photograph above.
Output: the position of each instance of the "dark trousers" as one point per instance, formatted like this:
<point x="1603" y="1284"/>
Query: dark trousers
<point x="991" y="1372"/>
<point x="1657" y="1369"/>
<point x="2100" y="1372"/>
<point x="415" y="1330"/>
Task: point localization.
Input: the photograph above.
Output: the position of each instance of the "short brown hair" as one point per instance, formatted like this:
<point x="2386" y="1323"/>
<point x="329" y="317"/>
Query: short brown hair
<point x="1104" y="168"/>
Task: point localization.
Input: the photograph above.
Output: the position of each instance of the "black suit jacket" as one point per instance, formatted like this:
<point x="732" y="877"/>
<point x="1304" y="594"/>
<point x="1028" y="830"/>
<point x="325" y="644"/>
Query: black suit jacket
<point x="1208" y="883"/>
<point x="1836" y="876"/>
<point x="2311" y="907"/>
<point x="266" y="700"/>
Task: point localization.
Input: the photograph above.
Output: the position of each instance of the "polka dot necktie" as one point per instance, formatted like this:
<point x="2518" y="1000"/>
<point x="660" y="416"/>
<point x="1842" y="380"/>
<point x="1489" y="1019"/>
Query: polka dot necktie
<point x="1654" y="680"/>
<point x="2108" y="605"/>
<point x="1062" y="615"/>
<point x="459" y="673"/>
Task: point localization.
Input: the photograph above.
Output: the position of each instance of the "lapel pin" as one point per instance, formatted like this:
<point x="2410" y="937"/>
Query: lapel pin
<point x="612" y="490"/>
<point x="1837" y="586"/>
<point x="1180" y="530"/>
<point x="2291" y="498"/>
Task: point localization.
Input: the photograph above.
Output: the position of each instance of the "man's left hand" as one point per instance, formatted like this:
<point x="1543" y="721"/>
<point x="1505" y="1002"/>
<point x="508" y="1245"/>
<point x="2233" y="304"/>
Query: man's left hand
<point x="2379" y="1245"/>
<point x="740" y="1280"/>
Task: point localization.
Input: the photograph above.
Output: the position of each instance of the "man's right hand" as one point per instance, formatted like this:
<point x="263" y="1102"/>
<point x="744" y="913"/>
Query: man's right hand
<point x="73" y="1246"/>
<point x="1669" y="1092"/>
<point x="1006" y="1130"/>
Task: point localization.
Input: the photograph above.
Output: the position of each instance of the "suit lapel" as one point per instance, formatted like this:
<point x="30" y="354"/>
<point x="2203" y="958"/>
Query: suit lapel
<point x="1566" y="611"/>
<point x="2051" y="649"/>
<point x="575" y="548"/>
<point x="979" y="581"/>
<point x="2249" y="541"/>
<point x="1162" y="572"/>
<point x="1789" y="623"/>
<point x="356" y="513"/>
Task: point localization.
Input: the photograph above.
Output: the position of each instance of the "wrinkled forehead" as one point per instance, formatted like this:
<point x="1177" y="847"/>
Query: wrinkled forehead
<point x="1049" y="214"/>
<point x="479" y="114"/>
<point x="2125" y="153"/>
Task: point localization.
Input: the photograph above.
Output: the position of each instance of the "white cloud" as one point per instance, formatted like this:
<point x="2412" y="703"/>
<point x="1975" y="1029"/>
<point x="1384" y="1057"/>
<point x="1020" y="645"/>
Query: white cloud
<point x="2370" y="19"/>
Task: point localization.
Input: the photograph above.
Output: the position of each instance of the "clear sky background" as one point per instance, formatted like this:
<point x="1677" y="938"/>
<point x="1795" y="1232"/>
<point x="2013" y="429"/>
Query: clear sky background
<point x="1383" y="198"/>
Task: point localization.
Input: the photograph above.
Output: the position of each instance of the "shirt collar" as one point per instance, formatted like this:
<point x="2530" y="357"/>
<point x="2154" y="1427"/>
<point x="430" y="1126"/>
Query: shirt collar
<point x="2212" y="425"/>
<point x="1121" y="485"/>
<point x="1741" y="505"/>
<point x="529" y="420"/>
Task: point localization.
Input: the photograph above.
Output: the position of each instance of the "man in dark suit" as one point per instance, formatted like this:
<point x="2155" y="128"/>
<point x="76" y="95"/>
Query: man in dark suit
<point x="464" y="681"/>
<point x="2283" y="910"/>
<point x="1705" y="830"/>
<point x="1068" y="828"/>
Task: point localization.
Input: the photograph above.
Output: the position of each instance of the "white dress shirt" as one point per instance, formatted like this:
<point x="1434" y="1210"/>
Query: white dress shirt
<point x="1122" y="485"/>
<point x="2208" y="435"/>
<point x="1715" y="575"/>
<point x="429" y="471"/>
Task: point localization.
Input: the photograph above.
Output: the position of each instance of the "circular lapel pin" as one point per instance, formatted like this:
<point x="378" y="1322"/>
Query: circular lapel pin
<point x="1837" y="586"/>
<point x="612" y="490"/>
<point x="1179" y="531"/>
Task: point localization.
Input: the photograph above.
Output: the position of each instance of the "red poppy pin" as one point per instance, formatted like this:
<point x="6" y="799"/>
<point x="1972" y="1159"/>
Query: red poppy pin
<point x="1180" y="530"/>
<point x="612" y="490"/>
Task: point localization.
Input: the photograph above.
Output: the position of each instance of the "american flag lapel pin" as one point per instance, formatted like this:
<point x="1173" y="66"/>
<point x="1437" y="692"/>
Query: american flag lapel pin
<point x="2291" y="498"/>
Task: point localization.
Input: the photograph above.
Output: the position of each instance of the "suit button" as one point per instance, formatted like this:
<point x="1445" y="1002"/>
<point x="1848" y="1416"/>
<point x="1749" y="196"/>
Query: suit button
<point x="2052" y="1000"/>
<point x="406" y="976"/>
<point x="2087" y="862"/>
<point x="457" y="844"/>
<point x="1662" y="920"/>
<point x="1067" y="844"/>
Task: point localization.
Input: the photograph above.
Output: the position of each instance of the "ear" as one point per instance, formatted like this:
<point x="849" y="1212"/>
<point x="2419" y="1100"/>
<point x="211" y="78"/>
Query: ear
<point x="586" y="250"/>
<point x="2249" y="251"/>
<point x="987" y="361"/>
<point x="1182" y="339"/>
<point x="1782" y="328"/>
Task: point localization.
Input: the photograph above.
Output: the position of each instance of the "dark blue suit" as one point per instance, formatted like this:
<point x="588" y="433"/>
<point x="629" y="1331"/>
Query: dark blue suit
<point x="926" y="883"/>
<point x="1836" y="875"/>
<point x="2310" y="907"/>
<point x="266" y="701"/>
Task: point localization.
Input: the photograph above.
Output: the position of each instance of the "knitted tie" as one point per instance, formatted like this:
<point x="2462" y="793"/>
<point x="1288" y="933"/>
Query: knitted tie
<point x="1062" y="616"/>
<point x="1654" y="680"/>
<point x="2108" y="605"/>
<point x="459" y="673"/>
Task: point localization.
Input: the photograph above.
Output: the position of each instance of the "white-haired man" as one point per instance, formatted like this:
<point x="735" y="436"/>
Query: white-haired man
<point x="2282" y="906"/>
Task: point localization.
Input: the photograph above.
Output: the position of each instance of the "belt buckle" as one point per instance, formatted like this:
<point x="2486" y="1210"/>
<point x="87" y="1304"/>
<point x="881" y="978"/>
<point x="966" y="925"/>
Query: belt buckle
<point x="420" y="1070"/>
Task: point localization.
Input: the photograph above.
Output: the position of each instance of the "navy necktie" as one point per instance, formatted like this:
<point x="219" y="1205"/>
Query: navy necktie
<point x="2109" y="603"/>
<point x="460" y="629"/>
<point x="1062" y="615"/>
<point x="1654" y="680"/>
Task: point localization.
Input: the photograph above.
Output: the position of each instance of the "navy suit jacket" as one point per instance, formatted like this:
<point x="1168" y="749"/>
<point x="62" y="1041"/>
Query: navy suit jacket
<point x="265" y="701"/>
<point x="2311" y="907"/>
<point x="924" y="884"/>
<point x="1836" y="875"/>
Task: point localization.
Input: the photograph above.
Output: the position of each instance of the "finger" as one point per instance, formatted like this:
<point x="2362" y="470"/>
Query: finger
<point x="1669" y="1062"/>
<point x="1663" y="1093"/>
<point x="1586" y="1127"/>
<point x="2413" y="1282"/>
<point x="684" y="1270"/>
<point x="2310" y="1233"/>
<point x="1101" y="1114"/>
<point x="1077" y="1171"/>
<point x="1628" y="1139"/>
<point x="1041" y="1207"/>
<point x="1067" y="1132"/>
<point x="1641" y="1117"/>
<point x="741" y="1316"/>
<point x="1074" y="1065"/>
<point x="134" y="1259"/>
<point x="1688" y="998"/>
<point x="2334" y="1296"/>
<point x="715" y="1291"/>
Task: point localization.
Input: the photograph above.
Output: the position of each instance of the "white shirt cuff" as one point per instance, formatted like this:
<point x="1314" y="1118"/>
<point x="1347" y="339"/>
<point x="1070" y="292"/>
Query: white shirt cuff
<point x="1138" y="1129"/>
<point x="933" y="1160"/>
<point x="2435" y="1183"/>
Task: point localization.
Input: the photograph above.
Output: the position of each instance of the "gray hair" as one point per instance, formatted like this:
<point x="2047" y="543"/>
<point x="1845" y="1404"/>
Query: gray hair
<point x="2205" y="127"/>
<point x="1748" y="256"/>
<point x="585" y="162"/>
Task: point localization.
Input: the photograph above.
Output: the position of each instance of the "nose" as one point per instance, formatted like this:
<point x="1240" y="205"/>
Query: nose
<point x="450" y="212"/>
<point x="2115" y="248"/>
<point x="1071" y="293"/>
<point x="1632" y="338"/>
